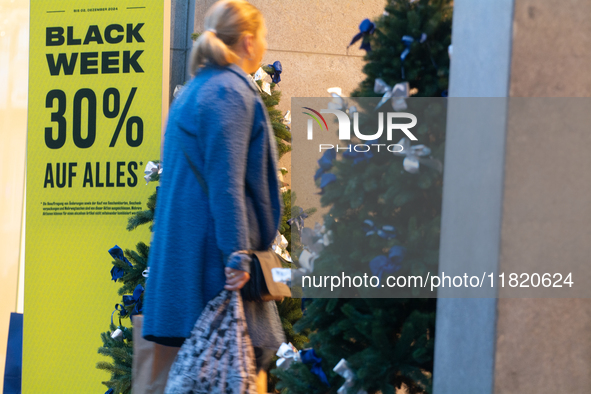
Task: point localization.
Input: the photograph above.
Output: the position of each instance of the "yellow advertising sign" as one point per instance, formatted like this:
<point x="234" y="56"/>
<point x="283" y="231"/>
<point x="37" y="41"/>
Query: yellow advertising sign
<point x="94" y="121"/>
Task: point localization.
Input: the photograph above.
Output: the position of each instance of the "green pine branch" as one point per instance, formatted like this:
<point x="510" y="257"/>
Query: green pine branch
<point x="133" y="275"/>
<point x="144" y="217"/>
<point x="120" y="368"/>
<point x="281" y="131"/>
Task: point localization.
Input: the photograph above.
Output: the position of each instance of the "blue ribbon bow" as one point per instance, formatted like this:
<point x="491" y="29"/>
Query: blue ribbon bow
<point x="129" y="300"/>
<point x="407" y="41"/>
<point x="298" y="220"/>
<point x="326" y="179"/>
<point x="387" y="264"/>
<point x="386" y="231"/>
<point x="277" y="69"/>
<point x="110" y="391"/>
<point x="121" y="307"/>
<point x="137" y="293"/>
<point x="325" y="162"/>
<point x="309" y="357"/>
<point x="117" y="253"/>
<point x="327" y="158"/>
<point x="366" y="28"/>
<point x="357" y="157"/>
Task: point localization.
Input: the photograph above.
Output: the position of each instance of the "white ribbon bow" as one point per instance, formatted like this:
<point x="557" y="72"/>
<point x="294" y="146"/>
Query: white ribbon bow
<point x="151" y="169"/>
<point x="287" y="118"/>
<point x="414" y="157"/>
<point x="397" y="93"/>
<point x="342" y="368"/>
<point x="254" y="83"/>
<point x="314" y="242"/>
<point x="177" y="90"/>
<point x="117" y="335"/>
<point x="267" y="87"/>
<point x="279" y="246"/>
<point x="259" y="74"/>
<point x="306" y="260"/>
<point x="340" y="104"/>
<point x="280" y="243"/>
<point x="320" y="231"/>
<point x="287" y="354"/>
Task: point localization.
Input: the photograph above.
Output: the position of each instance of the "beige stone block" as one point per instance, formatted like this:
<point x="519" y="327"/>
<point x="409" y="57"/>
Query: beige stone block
<point x="310" y="25"/>
<point x="544" y="345"/>
<point x="317" y="26"/>
<point x="547" y="210"/>
<point x="551" y="49"/>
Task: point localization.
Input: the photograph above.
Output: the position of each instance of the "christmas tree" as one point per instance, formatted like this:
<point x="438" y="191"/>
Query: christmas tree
<point x="290" y="309"/>
<point x="387" y="343"/>
<point x="280" y="129"/>
<point x="424" y="28"/>
<point x="117" y="343"/>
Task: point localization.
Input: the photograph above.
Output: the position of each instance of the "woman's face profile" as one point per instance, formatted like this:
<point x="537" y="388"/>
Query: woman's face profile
<point x="260" y="44"/>
<point x="255" y="48"/>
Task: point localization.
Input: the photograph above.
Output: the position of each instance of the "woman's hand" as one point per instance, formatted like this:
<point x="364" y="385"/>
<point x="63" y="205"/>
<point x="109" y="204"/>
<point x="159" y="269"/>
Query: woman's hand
<point x="235" y="279"/>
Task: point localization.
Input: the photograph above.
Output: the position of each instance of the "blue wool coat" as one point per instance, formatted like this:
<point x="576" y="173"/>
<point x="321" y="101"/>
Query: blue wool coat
<point x="221" y="123"/>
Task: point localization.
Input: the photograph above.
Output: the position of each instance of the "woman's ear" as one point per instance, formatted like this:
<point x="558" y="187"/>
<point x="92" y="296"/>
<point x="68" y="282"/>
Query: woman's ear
<point x="248" y="45"/>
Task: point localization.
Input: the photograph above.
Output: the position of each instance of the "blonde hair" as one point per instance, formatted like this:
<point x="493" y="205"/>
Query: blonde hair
<point x="225" y="23"/>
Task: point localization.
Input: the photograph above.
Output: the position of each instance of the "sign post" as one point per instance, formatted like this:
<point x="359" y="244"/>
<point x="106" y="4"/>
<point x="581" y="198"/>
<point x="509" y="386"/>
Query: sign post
<point x="94" y="121"/>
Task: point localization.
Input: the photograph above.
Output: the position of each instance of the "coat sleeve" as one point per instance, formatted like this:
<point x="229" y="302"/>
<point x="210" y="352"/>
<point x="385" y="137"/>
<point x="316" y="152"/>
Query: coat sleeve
<point x="227" y="136"/>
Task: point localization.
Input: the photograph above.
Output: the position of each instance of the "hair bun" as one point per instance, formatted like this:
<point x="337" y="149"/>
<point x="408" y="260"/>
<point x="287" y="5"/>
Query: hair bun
<point x="234" y="18"/>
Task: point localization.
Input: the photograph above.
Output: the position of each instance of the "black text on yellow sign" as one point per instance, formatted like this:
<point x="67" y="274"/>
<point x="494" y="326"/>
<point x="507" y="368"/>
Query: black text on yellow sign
<point x="84" y="63"/>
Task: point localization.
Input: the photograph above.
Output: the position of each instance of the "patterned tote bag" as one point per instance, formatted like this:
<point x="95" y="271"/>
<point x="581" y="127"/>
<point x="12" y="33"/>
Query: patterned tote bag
<point x="218" y="358"/>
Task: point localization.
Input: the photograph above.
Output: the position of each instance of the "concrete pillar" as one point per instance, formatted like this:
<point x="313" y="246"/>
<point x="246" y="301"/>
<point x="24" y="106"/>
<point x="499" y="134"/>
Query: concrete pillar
<point x="507" y="203"/>
<point x="472" y="192"/>
<point x="181" y="28"/>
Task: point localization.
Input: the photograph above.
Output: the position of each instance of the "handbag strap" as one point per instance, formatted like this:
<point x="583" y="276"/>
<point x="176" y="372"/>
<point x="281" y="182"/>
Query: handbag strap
<point x="198" y="175"/>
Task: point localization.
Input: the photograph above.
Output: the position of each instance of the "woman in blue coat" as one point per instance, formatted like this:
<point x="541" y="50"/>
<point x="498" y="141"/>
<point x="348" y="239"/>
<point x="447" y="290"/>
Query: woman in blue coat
<point x="220" y="126"/>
